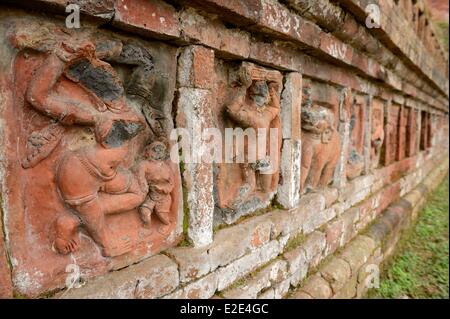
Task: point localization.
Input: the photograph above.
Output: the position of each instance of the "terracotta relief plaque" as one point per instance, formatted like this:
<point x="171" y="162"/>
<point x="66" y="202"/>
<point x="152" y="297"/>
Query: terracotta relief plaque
<point x="377" y="132"/>
<point x="402" y="131"/>
<point x="411" y="135"/>
<point x="355" y="157"/>
<point x="392" y="134"/>
<point x="248" y="101"/>
<point x="89" y="180"/>
<point x="425" y="130"/>
<point x="320" y="137"/>
<point x="430" y="135"/>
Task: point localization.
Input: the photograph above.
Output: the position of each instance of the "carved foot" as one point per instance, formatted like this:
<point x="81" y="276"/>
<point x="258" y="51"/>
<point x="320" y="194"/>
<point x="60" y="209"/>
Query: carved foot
<point x="67" y="238"/>
<point x="65" y="247"/>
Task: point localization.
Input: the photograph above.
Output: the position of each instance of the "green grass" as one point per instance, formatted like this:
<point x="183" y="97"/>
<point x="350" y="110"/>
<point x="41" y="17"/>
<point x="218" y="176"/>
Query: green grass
<point x="442" y="30"/>
<point x="420" y="269"/>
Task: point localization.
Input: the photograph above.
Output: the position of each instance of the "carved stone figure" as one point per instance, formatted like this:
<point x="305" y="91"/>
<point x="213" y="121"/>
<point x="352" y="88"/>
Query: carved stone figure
<point x="355" y="160"/>
<point x="156" y="176"/>
<point x="254" y="105"/>
<point x="411" y="133"/>
<point x="85" y="106"/>
<point x="377" y="132"/>
<point x="392" y="134"/>
<point x="320" y="145"/>
<point x="89" y="179"/>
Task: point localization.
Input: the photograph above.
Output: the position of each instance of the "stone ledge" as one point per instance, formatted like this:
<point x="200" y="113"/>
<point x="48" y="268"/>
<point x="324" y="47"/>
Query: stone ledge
<point x="151" y="278"/>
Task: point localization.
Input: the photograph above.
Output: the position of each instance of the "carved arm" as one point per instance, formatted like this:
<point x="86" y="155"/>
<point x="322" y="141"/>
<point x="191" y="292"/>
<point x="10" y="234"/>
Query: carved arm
<point x="42" y="96"/>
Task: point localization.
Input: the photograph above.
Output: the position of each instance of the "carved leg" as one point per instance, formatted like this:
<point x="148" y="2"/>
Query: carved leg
<point x="328" y="170"/>
<point x="145" y="211"/>
<point x="162" y="209"/>
<point x="316" y="169"/>
<point x="93" y="216"/>
<point x="119" y="203"/>
<point x="327" y="175"/>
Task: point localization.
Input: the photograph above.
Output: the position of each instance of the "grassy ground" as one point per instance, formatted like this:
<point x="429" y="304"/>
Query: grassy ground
<point x="420" y="269"/>
<point x="442" y="33"/>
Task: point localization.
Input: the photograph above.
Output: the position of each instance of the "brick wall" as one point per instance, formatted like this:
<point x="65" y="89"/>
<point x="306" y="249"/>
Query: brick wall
<point x="385" y="89"/>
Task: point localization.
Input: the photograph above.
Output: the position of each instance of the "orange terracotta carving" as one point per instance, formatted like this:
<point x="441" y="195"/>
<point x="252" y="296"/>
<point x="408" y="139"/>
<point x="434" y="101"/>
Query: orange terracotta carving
<point x="87" y="110"/>
<point x="377" y="132"/>
<point x="392" y="134"/>
<point x="253" y="104"/>
<point x="355" y="161"/>
<point x="157" y="176"/>
<point x="320" y="144"/>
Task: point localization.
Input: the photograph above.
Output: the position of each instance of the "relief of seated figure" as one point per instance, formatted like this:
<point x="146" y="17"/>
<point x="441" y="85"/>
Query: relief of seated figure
<point x="90" y="180"/>
<point x="320" y="147"/>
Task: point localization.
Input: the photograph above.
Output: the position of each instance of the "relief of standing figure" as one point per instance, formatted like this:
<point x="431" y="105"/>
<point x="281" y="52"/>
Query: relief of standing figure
<point x="257" y="106"/>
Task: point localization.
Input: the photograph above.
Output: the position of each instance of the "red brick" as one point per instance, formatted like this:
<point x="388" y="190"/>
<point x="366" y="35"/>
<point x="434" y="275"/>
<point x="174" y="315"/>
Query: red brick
<point x="336" y="48"/>
<point x="196" y="67"/>
<point x="212" y="33"/>
<point x="241" y="13"/>
<point x="100" y="9"/>
<point x="147" y="17"/>
<point x="273" y="54"/>
<point x="277" y="18"/>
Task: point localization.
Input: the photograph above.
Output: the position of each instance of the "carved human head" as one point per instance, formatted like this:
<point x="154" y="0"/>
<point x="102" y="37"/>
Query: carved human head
<point x="156" y="151"/>
<point x="113" y="134"/>
<point x="259" y="92"/>
<point x="317" y="119"/>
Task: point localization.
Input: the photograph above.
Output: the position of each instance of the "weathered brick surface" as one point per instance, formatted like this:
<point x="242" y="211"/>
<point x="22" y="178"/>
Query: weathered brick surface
<point x="336" y="272"/>
<point x="314" y="247"/>
<point x="103" y="10"/>
<point x="192" y="263"/>
<point x="297" y="264"/>
<point x="233" y="243"/>
<point x="152" y="18"/>
<point x="358" y="252"/>
<point x="203" y="288"/>
<point x="239" y="268"/>
<point x="212" y="33"/>
<point x="152" y="278"/>
<point x="288" y="195"/>
<point x="270" y="275"/>
<point x="194" y="114"/>
<point x="196" y="67"/>
<point x="317" y="287"/>
<point x="322" y="42"/>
